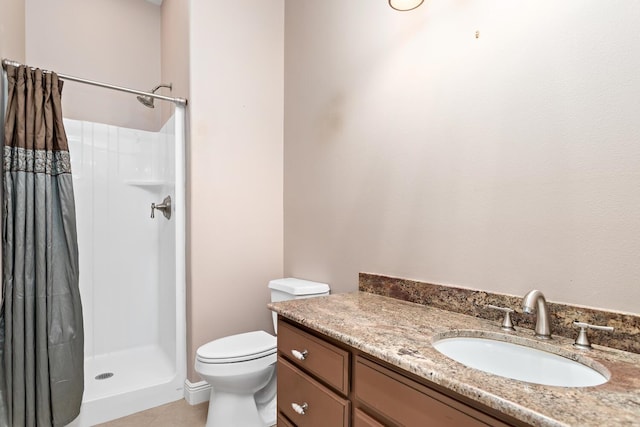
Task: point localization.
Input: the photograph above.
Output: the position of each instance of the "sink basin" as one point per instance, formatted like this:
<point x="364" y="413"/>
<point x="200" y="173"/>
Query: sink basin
<point x="519" y="362"/>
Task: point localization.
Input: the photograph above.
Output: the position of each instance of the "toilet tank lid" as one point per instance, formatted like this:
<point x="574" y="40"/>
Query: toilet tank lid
<point x="295" y="286"/>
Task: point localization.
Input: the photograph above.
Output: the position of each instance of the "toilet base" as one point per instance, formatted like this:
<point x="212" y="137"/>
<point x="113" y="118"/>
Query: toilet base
<point x="231" y="409"/>
<point x="268" y="413"/>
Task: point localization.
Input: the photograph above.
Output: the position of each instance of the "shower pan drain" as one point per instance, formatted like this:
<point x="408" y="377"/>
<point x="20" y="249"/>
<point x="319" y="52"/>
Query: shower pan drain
<point x="104" y="376"/>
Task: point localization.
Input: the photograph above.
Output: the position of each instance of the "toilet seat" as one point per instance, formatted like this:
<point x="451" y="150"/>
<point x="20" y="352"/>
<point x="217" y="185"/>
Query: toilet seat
<point x="238" y="348"/>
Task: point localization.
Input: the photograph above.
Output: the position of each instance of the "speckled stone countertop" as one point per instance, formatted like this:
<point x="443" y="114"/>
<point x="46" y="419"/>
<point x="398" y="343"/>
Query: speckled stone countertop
<point x="401" y="333"/>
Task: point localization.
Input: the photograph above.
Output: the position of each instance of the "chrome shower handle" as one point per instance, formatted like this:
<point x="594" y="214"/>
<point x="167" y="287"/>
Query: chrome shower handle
<point x="165" y="207"/>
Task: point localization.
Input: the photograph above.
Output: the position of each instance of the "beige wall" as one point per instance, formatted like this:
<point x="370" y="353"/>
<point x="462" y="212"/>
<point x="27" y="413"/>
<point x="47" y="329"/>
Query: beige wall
<point x="504" y="162"/>
<point x="174" y="51"/>
<point x="12" y="39"/>
<point x="235" y="172"/>
<point x="111" y="41"/>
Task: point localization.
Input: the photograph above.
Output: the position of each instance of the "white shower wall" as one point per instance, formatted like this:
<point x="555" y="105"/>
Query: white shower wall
<point x="128" y="261"/>
<point x="118" y="173"/>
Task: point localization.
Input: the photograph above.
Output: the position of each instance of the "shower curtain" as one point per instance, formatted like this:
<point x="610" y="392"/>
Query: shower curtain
<point x="41" y="331"/>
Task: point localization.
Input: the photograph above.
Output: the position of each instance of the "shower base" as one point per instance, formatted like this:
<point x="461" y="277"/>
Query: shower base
<point x="142" y="378"/>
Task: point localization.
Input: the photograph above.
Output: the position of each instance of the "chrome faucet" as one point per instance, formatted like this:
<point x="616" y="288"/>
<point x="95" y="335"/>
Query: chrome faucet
<point x="535" y="298"/>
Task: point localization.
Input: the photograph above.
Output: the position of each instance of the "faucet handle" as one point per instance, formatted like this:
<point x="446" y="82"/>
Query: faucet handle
<point x="507" y="324"/>
<point x="582" y="341"/>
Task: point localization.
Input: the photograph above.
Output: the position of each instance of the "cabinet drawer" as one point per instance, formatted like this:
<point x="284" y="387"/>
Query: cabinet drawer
<point x="408" y="403"/>
<point x="282" y="422"/>
<point x="326" y="361"/>
<point x="360" y="419"/>
<point x="323" y="407"/>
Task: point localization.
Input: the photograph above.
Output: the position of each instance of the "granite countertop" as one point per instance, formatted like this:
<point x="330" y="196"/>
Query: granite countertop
<point x="401" y="333"/>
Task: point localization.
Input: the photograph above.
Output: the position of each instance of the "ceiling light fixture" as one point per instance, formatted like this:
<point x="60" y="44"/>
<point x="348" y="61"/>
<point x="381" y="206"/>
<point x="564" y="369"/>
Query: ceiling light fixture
<point x="405" y="4"/>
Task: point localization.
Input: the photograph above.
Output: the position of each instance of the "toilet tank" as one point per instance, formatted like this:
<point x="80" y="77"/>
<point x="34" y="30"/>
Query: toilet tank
<point x="292" y="288"/>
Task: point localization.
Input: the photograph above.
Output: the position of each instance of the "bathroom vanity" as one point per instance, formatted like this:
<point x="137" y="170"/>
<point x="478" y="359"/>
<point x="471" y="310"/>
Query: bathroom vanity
<point x="314" y="388"/>
<point x="366" y="360"/>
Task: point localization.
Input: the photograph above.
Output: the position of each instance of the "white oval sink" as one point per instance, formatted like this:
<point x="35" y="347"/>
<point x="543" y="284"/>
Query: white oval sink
<point x="519" y="362"/>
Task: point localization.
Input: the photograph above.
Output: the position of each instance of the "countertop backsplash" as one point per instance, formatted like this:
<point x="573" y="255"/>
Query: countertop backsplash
<point x="626" y="335"/>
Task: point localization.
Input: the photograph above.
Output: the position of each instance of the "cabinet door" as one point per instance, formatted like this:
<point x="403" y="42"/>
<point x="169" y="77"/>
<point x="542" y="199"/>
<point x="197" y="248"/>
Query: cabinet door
<point x="360" y="419"/>
<point x="405" y="402"/>
<point x="306" y="402"/>
<point x="326" y="361"/>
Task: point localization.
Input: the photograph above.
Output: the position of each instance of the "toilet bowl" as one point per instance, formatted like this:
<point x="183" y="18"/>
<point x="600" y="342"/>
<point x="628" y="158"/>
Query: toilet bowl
<point x="241" y="369"/>
<point x="237" y="367"/>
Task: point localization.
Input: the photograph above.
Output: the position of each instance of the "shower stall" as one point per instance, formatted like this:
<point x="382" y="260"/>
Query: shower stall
<point x="132" y="266"/>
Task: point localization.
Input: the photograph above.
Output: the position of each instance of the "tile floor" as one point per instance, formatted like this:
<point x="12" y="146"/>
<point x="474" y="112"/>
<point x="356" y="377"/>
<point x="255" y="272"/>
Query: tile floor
<point x="176" y="414"/>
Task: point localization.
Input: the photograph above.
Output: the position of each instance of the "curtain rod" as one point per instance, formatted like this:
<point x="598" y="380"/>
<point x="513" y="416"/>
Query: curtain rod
<point x="179" y="101"/>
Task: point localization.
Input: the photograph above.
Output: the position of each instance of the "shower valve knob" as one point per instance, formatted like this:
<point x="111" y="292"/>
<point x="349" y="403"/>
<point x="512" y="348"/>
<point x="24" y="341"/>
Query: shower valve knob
<point x="165" y="207"/>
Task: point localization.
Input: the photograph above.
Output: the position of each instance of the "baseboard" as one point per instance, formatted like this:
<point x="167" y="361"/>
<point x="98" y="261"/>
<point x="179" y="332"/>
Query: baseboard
<point x="195" y="393"/>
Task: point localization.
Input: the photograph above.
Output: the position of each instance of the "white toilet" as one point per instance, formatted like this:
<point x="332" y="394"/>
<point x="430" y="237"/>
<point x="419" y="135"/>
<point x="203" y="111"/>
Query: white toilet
<point x="241" y="368"/>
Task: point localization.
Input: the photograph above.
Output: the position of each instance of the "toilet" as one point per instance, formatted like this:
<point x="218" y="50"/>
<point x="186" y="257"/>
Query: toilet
<point x="241" y="369"/>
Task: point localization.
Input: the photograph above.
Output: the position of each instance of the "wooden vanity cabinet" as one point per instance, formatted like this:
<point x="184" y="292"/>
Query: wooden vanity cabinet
<point x="313" y="380"/>
<point x="283" y="422"/>
<point x="361" y="419"/>
<point x="396" y="400"/>
<point x="326" y="361"/>
<point x="339" y="386"/>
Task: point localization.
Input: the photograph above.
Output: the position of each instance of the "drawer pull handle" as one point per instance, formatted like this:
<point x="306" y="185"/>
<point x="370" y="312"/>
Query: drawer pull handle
<point x="300" y="409"/>
<point x="300" y="355"/>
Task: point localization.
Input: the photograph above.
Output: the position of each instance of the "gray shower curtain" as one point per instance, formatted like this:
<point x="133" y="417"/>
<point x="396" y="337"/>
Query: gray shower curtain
<point x="41" y="331"/>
